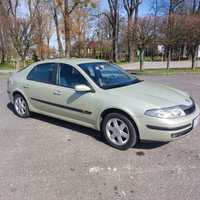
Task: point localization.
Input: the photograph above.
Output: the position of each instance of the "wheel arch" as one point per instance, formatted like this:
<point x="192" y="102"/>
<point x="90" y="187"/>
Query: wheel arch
<point x="20" y="93"/>
<point x="117" y="110"/>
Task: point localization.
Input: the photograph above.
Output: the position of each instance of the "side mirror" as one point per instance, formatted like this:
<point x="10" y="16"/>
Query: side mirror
<point x="82" y="88"/>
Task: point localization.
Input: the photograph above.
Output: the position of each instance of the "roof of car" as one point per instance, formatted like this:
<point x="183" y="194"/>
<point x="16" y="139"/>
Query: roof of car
<point x="75" y="61"/>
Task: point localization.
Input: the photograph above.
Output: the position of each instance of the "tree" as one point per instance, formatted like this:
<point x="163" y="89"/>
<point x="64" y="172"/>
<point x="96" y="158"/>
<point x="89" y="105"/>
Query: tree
<point x="172" y="39"/>
<point x="67" y="8"/>
<point x="2" y="44"/>
<point x="144" y="35"/>
<point x="194" y="30"/>
<point x="192" y="36"/>
<point x="103" y="35"/>
<point x="2" y="33"/>
<point x="48" y="32"/>
<point x="54" y="8"/>
<point x="81" y="25"/>
<point x="21" y="30"/>
<point x="113" y="18"/>
<point x="131" y="7"/>
<point x="156" y="10"/>
<point x="173" y="5"/>
<point x="43" y="30"/>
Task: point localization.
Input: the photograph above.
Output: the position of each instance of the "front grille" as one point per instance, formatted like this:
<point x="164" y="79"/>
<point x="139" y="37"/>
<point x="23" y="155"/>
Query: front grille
<point x="190" y="110"/>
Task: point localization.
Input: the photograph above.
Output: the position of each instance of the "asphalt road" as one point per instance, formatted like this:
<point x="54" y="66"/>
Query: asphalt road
<point x="47" y="159"/>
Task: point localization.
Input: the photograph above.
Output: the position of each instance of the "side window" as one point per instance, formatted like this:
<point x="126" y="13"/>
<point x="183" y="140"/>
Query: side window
<point x="70" y="77"/>
<point x="45" y="73"/>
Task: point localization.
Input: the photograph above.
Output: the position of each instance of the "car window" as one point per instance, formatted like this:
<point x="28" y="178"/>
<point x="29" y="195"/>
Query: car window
<point x="70" y="76"/>
<point x="107" y="75"/>
<point x="45" y="73"/>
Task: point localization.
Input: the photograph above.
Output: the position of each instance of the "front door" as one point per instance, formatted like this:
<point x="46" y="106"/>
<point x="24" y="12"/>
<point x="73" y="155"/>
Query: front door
<point x="79" y="106"/>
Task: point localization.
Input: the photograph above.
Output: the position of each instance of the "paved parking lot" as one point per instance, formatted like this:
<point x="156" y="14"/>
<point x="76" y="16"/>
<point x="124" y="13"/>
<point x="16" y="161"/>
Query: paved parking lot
<point x="47" y="159"/>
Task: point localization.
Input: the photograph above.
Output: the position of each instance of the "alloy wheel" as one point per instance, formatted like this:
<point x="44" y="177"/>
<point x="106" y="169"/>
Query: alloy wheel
<point x="117" y="131"/>
<point x="20" y="106"/>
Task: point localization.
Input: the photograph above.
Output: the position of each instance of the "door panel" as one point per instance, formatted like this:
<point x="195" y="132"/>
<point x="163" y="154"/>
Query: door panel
<point x="40" y="95"/>
<point x="40" y="86"/>
<point x="75" y="105"/>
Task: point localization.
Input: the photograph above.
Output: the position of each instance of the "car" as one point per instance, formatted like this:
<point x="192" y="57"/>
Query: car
<point x="101" y="95"/>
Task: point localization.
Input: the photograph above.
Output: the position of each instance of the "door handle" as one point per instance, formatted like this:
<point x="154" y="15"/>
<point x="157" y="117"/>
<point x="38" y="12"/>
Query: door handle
<point x="26" y="86"/>
<point x="57" y="92"/>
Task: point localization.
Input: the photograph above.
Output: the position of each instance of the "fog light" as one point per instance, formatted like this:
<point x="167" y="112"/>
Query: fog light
<point x="175" y="135"/>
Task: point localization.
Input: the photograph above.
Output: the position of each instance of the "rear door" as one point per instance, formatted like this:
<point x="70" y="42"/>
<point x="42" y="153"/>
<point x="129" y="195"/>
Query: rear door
<point x="40" y="86"/>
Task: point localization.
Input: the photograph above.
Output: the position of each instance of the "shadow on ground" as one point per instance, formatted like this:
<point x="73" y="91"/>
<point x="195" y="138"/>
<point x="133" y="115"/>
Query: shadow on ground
<point x="149" y="145"/>
<point x="87" y="131"/>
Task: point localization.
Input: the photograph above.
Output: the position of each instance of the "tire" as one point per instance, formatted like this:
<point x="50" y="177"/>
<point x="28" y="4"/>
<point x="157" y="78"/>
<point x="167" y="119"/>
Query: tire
<point x="116" y="125"/>
<point x="21" y="108"/>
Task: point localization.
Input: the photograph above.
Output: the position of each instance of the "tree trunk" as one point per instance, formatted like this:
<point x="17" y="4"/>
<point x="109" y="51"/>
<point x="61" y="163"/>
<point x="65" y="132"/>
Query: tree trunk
<point x="168" y="57"/>
<point x="141" y="59"/>
<point x="2" y="47"/>
<point x="48" y="46"/>
<point x="2" y="57"/>
<point x="115" y="45"/>
<point x="184" y="55"/>
<point x="40" y="47"/>
<point x="194" y="56"/>
<point x="67" y="30"/>
<point x="114" y="22"/>
<point x="41" y="52"/>
<point x="60" y="47"/>
<point x="179" y="54"/>
<point x="131" y="49"/>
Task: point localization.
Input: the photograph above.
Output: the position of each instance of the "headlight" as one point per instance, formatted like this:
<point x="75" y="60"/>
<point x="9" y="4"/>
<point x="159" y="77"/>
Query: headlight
<point x="166" y="113"/>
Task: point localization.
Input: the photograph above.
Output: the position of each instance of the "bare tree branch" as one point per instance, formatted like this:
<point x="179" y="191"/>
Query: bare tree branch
<point x="73" y="7"/>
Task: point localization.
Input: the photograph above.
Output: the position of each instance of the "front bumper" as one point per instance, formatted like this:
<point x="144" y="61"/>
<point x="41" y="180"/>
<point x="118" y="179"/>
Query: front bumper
<point x="151" y="128"/>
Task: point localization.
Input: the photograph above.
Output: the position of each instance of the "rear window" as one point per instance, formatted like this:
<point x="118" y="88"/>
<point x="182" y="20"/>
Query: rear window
<point x="45" y="73"/>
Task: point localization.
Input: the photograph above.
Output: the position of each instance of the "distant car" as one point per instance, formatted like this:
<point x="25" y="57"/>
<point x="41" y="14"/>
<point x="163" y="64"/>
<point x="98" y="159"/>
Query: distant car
<point x="102" y="96"/>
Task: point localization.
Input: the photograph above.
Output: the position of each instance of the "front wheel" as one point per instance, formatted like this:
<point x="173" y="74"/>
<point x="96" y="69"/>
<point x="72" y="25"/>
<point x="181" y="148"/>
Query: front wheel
<point x="21" y="107"/>
<point x="119" y="131"/>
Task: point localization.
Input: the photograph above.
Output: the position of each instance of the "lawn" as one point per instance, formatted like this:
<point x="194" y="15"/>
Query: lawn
<point x="171" y="71"/>
<point x="6" y="66"/>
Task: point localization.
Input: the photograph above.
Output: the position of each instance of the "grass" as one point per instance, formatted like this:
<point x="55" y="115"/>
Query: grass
<point x="172" y="71"/>
<point x="6" y="66"/>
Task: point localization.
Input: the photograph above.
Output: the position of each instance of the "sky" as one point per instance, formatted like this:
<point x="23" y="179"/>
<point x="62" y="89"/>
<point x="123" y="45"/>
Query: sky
<point x="144" y="7"/>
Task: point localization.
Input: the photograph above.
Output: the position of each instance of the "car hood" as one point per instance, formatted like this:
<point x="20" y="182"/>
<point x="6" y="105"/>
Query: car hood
<point x="152" y="94"/>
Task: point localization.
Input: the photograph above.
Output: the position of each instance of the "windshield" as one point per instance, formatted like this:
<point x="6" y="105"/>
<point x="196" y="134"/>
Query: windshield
<point x="107" y="75"/>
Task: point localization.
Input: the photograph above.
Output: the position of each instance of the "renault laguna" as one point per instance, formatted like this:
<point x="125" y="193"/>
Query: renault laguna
<point x="103" y="96"/>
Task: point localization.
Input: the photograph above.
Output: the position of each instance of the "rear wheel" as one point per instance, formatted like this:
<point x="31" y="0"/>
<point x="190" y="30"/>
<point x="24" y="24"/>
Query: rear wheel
<point x="119" y="131"/>
<point x="20" y="106"/>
